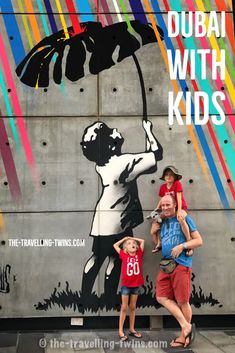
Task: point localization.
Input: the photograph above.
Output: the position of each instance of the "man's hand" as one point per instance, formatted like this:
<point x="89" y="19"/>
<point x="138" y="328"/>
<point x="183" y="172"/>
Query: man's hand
<point x="177" y="250"/>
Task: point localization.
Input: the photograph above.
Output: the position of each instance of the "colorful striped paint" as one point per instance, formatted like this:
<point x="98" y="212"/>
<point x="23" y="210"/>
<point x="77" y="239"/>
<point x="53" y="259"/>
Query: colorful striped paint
<point x="9" y="112"/>
<point x="225" y="152"/>
<point x="201" y="135"/>
<point x="119" y="16"/>
<point x="13" y="31"/>
<point x="221" y="6"/>
<point x="175" y="86"/>
<point x="43" y="17"/>
<point x="74" y="18"/>
<point x="33" y="21"/>
<point x="8" y="162"/>
<point x="17" y="110"/>
<point x="50" y="16"/>
<point x="125" y="14"/>
<point x="25" y="23"/>
<point x="62" y="19"/>
<point x="213" y="137"/>
<point x="2" y="225"/>
<point x="138" y="11"/>
<point x="85" y="10"/>
<point x="106" y="11"/>
<point x="222" y="133"/>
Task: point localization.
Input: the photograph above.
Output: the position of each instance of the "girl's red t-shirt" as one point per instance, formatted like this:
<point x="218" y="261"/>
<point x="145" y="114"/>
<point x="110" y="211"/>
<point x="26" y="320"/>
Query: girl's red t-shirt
<point x="175" y="187"/>
<point x="132" y="273"/>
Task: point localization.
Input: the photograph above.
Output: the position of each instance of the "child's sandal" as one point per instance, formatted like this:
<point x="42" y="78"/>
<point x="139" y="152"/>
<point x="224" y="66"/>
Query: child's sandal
<point x="189" y="252"/>
<point x="123" y="338"/>
<point x="156" y="249"/>
<point x="135" y="334"/>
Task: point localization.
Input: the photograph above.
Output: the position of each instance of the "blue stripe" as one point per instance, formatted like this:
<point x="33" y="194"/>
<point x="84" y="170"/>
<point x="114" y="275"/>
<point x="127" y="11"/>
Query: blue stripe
<point x="50" y="16"/>
<point x="12" y="29"/>
<point x="85" y="11"/>
<point x="198" y="128"/>
<point x="138" y="7"/>
<point x="43" y="17"/>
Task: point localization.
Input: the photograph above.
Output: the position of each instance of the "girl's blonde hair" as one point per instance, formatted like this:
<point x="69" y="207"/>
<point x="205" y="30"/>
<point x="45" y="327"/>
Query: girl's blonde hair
<point x="124" y="244"/>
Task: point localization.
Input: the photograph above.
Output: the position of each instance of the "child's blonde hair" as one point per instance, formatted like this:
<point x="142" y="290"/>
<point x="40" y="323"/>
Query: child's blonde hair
<point x="124" y="244"/>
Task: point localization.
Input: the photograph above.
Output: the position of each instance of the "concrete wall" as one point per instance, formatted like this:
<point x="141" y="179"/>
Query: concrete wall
<point x="55" y="198"/>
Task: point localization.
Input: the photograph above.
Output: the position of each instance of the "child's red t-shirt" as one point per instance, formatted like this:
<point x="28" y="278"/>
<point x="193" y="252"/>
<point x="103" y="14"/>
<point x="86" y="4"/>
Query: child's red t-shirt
<point x="132" y="273"/>
<point x="175" y="187"/>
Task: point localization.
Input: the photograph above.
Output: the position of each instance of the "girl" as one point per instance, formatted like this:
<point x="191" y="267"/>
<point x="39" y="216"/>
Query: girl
<point x="132" y="279"/>
<point x="173" y="187"/>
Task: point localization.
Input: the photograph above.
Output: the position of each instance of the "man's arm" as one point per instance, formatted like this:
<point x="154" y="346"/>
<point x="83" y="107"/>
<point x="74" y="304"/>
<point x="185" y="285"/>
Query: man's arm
<point x="194" y="243"/>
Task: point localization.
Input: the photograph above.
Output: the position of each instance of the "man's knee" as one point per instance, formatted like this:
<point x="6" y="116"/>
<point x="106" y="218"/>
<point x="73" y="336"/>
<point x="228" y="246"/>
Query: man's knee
<point x="182" y="303"/>
<point x="161" y="300"/>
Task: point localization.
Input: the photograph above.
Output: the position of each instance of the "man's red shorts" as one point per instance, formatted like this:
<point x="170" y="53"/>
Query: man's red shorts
<point x="175" y="285"/>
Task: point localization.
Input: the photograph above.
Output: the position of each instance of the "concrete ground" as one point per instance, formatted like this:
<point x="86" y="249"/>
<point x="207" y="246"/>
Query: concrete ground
<point x="100" y="341"/>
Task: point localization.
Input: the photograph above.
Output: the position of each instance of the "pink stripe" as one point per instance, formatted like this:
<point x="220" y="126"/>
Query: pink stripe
<point x="17" y="109"/>
<point x="107" y="12"/>
<point x="8" y="162"/>
<point x="218" y="81"/>
<point x="99" y="14"/>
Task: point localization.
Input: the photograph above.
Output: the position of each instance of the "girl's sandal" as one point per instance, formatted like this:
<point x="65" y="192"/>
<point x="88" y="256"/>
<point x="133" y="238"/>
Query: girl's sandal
<point x="123" y="338"/>
<point x="135" y="334"/>
<point x="156" y="249"/>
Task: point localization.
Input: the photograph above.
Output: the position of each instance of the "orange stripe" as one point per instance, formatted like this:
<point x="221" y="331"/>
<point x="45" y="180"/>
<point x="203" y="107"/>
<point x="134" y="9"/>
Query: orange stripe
<point x="33" y="21"/>
<point x="229" y="22"/>
<point x="230" y="4"/>
<point x="175" y="86"/>
<point x="2" y="226"/>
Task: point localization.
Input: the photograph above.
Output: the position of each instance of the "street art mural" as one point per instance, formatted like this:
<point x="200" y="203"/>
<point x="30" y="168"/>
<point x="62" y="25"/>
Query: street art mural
<point x="47" y="47"/>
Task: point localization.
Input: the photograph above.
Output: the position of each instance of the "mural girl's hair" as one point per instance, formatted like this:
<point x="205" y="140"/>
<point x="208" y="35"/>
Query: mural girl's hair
<point x="100" y="146"/>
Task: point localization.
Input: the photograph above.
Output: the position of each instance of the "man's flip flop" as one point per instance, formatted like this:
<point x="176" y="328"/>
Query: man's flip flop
<point x="180" y="344"/>
<point x="135" y="334"/>
<point x="123" y="338"/>
<point x="190" y="336"/>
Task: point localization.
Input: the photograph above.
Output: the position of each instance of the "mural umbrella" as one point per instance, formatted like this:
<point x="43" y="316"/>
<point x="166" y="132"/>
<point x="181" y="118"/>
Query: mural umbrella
<point x="100" y="41"/>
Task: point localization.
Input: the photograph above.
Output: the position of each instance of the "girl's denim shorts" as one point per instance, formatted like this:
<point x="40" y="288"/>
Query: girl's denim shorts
<point x="130" y="290"/>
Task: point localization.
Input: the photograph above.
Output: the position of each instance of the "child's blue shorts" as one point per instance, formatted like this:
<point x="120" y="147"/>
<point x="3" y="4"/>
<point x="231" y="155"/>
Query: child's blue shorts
<point x="130" y="290"/>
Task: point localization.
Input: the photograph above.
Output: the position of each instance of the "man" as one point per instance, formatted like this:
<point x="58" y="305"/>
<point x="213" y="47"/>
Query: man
<point x="173" y="289"/>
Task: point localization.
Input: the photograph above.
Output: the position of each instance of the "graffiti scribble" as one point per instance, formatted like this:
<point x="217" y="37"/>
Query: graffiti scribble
<point x="4" y="279"/>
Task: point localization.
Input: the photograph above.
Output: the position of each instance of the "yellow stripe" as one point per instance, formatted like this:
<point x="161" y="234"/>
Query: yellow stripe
<point x="175" y="86"/>
<point x="25" y="23"/>
<point x="62" y="19"/>
<point x="230" y="4"/>
<point x="2" y="226"/>
<point x="215" y="46"/>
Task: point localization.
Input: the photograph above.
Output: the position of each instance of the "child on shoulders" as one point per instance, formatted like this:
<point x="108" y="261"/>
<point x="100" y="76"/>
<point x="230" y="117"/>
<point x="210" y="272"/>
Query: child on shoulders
<point x="173" y="187"/>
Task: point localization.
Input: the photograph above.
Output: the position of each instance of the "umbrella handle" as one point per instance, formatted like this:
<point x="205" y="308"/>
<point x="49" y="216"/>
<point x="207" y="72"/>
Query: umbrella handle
<point x="143" y="92"/>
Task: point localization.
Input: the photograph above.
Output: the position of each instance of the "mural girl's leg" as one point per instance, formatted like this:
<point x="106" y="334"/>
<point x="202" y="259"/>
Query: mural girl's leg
<point x="112" y="276"/>
<point x="90" y="272"/>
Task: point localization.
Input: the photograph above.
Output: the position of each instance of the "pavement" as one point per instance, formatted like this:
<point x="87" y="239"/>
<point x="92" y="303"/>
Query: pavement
<point x="106" y="341"/>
